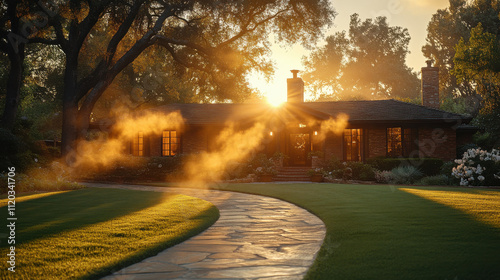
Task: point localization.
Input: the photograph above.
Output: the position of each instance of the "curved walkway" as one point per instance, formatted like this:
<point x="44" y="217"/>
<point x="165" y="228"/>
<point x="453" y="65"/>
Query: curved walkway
<point x="255" y="237"/>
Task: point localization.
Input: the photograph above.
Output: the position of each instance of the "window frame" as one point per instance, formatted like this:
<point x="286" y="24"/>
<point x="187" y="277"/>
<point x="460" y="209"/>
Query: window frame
<point x="349" y="138"/>
<point x="408" y="138"/>
<point x="166" y="146"/>
<point x="138" y="145"/>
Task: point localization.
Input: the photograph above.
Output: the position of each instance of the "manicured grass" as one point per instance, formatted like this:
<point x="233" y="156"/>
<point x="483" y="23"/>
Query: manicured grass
<point x="388" y="232"/>
<point x="89" y="233"/>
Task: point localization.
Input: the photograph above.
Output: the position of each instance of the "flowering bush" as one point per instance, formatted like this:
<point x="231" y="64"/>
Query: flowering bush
<point x="478" y="167"/>
<point x="315" y="171"/>
<point x="383" y="176"/>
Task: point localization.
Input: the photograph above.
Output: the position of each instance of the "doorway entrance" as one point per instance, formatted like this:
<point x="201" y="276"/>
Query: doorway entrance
<point x="299" y="145"/>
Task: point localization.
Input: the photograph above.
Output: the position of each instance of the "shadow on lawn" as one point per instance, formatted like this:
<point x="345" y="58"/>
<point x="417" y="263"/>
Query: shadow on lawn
<point x="46" y="216"/>
<point x="208" y="217"/>
<point x="381" y="232"/>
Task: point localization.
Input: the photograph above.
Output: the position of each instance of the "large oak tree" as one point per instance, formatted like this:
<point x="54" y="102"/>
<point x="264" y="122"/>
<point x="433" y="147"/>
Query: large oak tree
<point x="217" y="42"/>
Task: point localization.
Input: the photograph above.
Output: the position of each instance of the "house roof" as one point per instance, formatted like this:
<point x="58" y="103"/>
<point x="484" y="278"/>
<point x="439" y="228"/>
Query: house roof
<point x="370" y="111"/>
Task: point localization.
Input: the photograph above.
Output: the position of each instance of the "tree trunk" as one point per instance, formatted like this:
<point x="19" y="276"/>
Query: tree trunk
<point x="70" y="108"/>
<point x="14" y="84"/>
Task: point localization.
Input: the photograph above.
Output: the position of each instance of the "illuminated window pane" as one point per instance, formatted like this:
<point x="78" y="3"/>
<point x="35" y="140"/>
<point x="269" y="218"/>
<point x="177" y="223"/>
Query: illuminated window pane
<point x="353" y="146"/>
<point x="401" y="142"/>
<point x="170" y="143"/>
<point x="138" y="145"/>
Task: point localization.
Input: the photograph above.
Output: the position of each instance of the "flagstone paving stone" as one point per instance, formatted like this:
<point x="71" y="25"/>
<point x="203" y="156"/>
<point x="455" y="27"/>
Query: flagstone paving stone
<point x="255" y="237"/>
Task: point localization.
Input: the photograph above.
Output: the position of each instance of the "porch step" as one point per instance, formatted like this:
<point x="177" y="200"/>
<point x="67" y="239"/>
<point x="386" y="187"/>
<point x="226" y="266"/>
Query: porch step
<point x="292" y="174"/>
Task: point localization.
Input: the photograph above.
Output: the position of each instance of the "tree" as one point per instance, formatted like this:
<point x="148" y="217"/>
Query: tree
<point x="367" y="63"/>
<point x="477" y="61"/>
<point x="444" y="32"/>
<point x="18" y="21"/>
<point x="216" y="42"/>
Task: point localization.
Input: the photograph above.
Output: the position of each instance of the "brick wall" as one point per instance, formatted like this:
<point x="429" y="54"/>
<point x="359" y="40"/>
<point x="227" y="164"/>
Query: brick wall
<point x="194" y="140"/>
<point x="430" y="86"/>
<point x="154" y="145"/>
<point x="437" y="142"/>
<point x="376" y="142"/>
<point x="333" y="146"/>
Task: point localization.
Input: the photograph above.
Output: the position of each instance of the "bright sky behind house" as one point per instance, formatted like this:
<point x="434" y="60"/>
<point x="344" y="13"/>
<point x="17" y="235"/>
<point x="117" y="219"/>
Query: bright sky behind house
<point x="411" y="14"/>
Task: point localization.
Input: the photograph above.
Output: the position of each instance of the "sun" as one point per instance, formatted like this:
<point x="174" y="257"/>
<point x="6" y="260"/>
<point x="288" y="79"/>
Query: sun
<point x="275" y="100"/>
<point x="274" y="90"/>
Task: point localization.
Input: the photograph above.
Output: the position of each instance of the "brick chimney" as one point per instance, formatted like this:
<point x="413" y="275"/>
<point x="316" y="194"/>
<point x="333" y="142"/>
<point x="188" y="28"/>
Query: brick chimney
<point x="430" y="85"/>
<point x="295" y="88"/>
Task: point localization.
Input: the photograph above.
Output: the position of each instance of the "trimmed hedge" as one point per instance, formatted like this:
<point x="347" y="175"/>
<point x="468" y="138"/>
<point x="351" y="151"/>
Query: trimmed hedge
<point x="428" y="166"/>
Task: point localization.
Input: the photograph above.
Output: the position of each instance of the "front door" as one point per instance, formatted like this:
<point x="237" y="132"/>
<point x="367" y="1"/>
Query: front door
<point x="299" y="147"/>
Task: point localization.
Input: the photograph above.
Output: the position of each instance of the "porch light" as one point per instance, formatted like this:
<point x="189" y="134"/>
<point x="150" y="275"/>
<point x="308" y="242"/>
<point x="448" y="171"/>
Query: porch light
<point x="270" y="133"/>
<point x="315" y="133"/>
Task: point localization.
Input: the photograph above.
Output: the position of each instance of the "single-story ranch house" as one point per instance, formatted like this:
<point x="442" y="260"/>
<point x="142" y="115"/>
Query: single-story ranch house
<point x="375" y="128"/>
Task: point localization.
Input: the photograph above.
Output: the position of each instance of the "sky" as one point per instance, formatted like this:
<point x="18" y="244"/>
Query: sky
<point x="411" y="14"/>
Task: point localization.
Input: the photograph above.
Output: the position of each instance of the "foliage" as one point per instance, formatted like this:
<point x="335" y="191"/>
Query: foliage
<point x="94" y="232"/>
<point x="428" y="166"/>
<point x="366" y="63"/>
<point x="478" y="61"/>
<point x="444" y="32"/>
<point x="261" y="165"/>
<point x="436" y="180"/>
<point x="337" y="169"/>
<point x="140" y="169"/>
<point x="361" y="171"/>
<point x="315" y="171"/>
<point x="478" y="168"/>
<point x="405" y="175"/>
<point x="383" y="176"/>
<point x="9" y="143"/>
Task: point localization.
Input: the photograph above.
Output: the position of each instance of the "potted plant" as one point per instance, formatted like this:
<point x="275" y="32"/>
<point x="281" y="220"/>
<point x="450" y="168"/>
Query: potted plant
<point x="266" y="169"/>
<point x="316" y="158"/>
<point x="266" y="174"/>
<point x="278" y="158"/>
<point x="316" y="174"/>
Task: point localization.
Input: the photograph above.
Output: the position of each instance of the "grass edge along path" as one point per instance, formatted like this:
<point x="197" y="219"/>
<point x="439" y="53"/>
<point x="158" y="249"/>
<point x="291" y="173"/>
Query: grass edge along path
<point x="382" y="232"/>
<point x="89" y="233"/>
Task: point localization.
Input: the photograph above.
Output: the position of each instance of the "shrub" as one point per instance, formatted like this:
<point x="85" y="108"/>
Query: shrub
<point x="405" y="175"/>
<point x="361" y="171"/>
<point x="9" y="143"/>
<point x="478" y="168"/>
<point x="383" y="176"/>
<point x="336" y="169"/>
<point x="436" y="180"/>
<point x="428" y="166"/>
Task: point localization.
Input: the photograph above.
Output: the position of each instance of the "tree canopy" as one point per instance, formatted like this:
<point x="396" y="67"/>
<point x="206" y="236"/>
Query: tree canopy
<point x="477" y="61"/>
<point x="366" y="63"/>
<point x="444" y="32"/>
<point x="209" y="45"/>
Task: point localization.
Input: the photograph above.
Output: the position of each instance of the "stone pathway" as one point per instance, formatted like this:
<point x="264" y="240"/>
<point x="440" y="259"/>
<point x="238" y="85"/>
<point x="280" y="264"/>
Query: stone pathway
<point x="255" y="237"/>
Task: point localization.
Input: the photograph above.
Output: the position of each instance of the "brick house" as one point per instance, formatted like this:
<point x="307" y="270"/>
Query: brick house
<point x="375" y="128"/>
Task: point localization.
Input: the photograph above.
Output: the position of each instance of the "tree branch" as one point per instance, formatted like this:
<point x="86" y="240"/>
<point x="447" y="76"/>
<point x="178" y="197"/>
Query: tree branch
<point x="122" y="31"/>
<point x="245" y="30"/>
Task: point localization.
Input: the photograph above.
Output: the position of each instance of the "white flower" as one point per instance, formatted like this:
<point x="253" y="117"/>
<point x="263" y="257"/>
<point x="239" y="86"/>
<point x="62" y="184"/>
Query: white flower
<point x="480" y="178"/>
<point x="160" y="166"/>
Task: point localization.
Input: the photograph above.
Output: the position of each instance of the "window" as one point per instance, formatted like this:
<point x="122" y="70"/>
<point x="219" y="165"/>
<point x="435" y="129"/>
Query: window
<point x="401" y="142"/>
<point x="170" y="143"/>
<point x="353" y="144"/>
<point x="138" y="145"/>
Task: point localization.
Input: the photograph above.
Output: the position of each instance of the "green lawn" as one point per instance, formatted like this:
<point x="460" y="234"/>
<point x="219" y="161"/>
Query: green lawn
<point x="86" y="234"/>
<point x="387" y="232"/>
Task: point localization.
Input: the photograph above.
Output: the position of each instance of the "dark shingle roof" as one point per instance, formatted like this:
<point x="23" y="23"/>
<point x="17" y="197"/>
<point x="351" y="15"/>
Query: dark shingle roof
<point x="384" y="110"/>
<point x="358" y="111"/>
